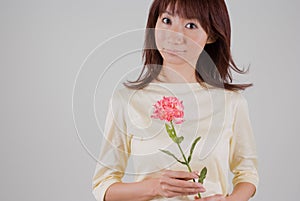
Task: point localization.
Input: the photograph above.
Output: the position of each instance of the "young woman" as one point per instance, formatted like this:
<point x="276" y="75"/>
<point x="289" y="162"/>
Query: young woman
<point x="187" y="55"/>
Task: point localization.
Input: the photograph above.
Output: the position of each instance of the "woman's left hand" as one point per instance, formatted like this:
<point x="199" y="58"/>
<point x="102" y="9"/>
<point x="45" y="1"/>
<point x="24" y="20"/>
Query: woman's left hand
<point x="217" y="197"/>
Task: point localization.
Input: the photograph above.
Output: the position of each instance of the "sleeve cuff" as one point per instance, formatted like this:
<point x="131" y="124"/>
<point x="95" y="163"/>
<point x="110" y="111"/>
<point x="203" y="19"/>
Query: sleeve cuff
<point x="100" y="190"/>
<point x="253" y="181"/>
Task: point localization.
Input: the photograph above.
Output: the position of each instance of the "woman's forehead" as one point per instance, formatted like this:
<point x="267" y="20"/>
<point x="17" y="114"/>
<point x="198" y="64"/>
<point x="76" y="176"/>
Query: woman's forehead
<point x="181" y="10"/>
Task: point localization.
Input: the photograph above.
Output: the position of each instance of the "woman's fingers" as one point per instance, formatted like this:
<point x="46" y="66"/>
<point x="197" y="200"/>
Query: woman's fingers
<point x="176" y="183"/>
<point x="180" y="174"/>
<point x="182" y="185"/>
<point x="179" y="179"/>
<point x="184" y="190"/>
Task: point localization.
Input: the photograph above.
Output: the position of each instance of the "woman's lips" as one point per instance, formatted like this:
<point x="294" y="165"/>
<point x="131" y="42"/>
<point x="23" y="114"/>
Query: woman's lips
<point x="173" y="51"/>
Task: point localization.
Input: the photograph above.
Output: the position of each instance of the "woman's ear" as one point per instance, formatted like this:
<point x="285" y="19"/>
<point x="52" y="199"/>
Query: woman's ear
<point x="211" y="39"/>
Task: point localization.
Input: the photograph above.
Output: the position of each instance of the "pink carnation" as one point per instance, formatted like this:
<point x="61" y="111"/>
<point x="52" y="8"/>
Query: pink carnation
<point x="169" y="109"/>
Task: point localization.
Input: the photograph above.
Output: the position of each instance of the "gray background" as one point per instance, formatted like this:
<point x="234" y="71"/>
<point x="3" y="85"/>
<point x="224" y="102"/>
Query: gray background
<point x="44" y="43"/>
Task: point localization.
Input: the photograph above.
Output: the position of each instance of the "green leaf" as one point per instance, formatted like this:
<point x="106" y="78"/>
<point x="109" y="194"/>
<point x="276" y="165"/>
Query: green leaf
<point x="170" y="154"/>
<point x="178" y="140"/>
<point x="202" y="175"/>
<point x="170" y="131"/>
<point x="168" y="127"/>
<point x="192" y="148"/>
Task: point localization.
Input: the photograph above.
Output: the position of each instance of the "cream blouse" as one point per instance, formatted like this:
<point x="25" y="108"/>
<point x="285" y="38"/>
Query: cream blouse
<point x="219" y="116"/>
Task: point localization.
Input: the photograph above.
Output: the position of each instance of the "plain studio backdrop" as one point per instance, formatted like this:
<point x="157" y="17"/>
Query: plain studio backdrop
<point x="52" y="55"/>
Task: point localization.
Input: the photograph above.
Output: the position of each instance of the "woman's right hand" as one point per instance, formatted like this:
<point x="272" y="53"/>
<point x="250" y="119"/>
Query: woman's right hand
<point x="176" y="183"/>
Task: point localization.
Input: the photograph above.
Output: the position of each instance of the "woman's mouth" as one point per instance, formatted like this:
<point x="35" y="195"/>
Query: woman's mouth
<point x="173" y="51"/>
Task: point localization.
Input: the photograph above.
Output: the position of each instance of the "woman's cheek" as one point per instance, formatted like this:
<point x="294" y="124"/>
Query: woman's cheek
<point x="197" y="45"/>
<point x="159" y="38"/>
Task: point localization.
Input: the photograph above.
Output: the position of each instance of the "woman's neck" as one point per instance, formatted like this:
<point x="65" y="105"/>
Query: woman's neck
<point x="183" y="73"/>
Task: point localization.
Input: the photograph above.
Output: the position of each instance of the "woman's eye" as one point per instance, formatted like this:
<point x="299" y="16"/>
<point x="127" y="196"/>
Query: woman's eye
<point x="191" y="26"/>
<point x="166" y="20"/>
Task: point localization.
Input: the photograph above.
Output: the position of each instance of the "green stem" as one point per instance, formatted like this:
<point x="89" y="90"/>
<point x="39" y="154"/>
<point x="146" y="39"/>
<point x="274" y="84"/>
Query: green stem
<point x="187" y="164"/>
<point x="184" y="158"/>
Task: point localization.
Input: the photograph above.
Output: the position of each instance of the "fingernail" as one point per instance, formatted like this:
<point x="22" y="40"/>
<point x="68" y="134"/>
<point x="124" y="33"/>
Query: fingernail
<point x="200" y="185"/>
<point x="202" y="189"/>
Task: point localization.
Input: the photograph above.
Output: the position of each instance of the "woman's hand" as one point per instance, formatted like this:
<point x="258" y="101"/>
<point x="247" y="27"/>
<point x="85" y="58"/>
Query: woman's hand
<point x="217" y="197"/>
<point x="241" y="192"/>
<point x="176" y="183"/>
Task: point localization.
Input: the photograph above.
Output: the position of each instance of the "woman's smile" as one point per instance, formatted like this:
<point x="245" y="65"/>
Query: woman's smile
<point x="173" y="51"/>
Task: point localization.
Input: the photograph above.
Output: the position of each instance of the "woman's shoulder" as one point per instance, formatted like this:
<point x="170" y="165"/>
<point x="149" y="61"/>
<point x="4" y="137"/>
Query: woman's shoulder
<point x="236" y="94"/>
<point x="236" y="98"/>
<point x="125" y="91"/>
<point x="122" y="94"/>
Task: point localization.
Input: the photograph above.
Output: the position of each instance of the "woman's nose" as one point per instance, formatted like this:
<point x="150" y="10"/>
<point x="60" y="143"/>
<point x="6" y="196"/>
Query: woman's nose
<point x="175" y="35"/>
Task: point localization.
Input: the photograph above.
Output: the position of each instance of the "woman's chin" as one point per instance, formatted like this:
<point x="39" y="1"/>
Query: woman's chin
<point x="175" y="60"/>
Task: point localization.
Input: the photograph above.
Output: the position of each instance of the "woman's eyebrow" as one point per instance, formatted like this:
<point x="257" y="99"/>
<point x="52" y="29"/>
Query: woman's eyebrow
<point x="168" y="12"/>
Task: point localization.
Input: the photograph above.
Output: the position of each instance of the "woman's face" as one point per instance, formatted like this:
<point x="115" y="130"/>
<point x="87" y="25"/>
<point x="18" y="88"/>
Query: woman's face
<point x="179" y="40"/>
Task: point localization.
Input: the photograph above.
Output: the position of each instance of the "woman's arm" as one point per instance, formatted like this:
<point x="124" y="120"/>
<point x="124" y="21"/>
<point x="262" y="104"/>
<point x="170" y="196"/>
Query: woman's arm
<point x="170" y="184"/>
<point x="242" y="192"/>
<point x="243" y="156"/>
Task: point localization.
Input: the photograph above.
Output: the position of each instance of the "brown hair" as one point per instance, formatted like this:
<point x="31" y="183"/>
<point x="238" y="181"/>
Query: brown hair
<point x="215" y="61"/>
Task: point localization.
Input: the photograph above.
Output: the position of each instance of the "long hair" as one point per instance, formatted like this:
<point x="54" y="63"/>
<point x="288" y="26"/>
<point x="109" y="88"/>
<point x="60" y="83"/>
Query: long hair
<point x="215" y="61"/>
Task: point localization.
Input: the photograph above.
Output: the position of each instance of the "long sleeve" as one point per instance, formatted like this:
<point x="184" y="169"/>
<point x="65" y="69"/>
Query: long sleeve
<point x="243" y="156"/>
<point x="115" y="149"/>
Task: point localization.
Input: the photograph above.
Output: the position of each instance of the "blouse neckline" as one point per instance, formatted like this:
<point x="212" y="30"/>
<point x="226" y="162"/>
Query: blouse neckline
<point x="195" y="85"/>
